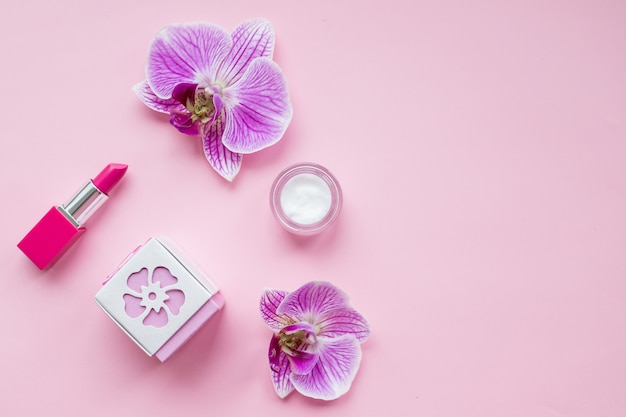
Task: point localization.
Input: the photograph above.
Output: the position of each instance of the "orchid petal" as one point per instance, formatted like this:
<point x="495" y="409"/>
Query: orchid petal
<point x="302" y="362"/>
<point x="270" y="300"/>
<point x="344" y="321"/>
<point x="308" y="328"/>
<point x="184" y="92"/>
<point x="315" y="299"/>
<point x="280" y="369"/>
<point x="185" y="123"/>
<point x="257" y="108"/>
<point x="332" y="376"/>
<point x="185" y="53"/>
<point x="225" y="162"/>
<point x="252" y="39"/>
<point x="162" y="105"/>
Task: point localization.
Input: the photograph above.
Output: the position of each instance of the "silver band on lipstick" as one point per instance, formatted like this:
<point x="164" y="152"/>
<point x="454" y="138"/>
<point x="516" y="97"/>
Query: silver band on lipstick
<point x="83" y="204"/>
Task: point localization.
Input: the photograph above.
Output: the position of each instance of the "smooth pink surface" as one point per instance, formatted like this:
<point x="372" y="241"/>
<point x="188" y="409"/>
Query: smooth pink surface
<point x="109" y="177"/>
<point x="481" y="149"/>
<point x="49" y="239"/>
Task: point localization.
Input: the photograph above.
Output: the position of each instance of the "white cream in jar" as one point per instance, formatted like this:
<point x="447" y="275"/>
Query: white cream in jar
<point x="305" y="198"/>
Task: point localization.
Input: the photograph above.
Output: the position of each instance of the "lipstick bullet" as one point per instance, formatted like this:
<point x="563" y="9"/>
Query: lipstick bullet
<point x="64" y="224"/>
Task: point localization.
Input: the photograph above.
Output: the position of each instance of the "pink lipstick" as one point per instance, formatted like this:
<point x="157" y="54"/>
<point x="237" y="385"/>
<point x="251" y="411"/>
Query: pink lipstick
<point x="64" y="224"/>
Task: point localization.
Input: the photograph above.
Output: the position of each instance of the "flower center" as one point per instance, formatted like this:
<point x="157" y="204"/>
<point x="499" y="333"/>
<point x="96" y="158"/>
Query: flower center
<point x="296" y="340"/>
<point x="201" y="105"/>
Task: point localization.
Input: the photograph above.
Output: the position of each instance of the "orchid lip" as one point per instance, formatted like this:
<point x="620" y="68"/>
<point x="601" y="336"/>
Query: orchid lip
<point x="297" y="337"/>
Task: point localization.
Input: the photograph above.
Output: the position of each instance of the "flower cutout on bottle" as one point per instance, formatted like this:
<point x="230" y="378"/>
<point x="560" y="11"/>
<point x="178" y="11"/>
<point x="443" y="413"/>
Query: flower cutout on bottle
<point x="316" y="345"/>
<point x="153" y="298"/>
<point x="222" y="87"/>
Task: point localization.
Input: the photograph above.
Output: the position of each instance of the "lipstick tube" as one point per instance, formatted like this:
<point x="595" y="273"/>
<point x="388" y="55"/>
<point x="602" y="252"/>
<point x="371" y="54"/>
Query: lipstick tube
<point x="64" y="224"/>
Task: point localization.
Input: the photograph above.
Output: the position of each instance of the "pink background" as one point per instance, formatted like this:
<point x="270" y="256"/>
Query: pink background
<point x="481" y="147"/>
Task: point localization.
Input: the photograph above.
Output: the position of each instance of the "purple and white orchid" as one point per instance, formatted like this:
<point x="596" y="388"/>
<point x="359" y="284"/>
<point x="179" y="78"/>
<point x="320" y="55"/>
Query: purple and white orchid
<point x="222" y="87"/>
<point x="316" y="345"/>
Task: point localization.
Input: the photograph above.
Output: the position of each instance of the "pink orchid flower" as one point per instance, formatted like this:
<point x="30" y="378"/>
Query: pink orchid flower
<point x="222" y="87"/>
<point x="316" y="345"/>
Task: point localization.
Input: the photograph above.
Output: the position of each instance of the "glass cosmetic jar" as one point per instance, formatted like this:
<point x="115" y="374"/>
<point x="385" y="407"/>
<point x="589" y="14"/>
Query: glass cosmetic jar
<point x="305" y="199"/>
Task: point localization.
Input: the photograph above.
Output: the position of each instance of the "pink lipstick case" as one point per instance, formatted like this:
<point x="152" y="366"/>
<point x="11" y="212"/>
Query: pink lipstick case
<point x="159" y="297"/>
<point x="62" y="225"/>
